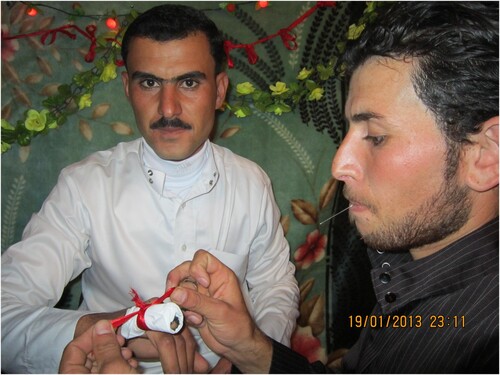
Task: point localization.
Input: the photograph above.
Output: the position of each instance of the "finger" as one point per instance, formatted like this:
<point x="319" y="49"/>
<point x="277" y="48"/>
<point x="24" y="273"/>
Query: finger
<point x="222" y="367"/>
<point x="127" y="353"/>
<point x="189" y="282"/>
<point x="185" y="270"/>
<point x="214" y="275"/>
<point x="143" y="348"/>
<point x="202" y="266"/>
<point x="94" y="370"/>
<point x="133" y="363"/>
<point x="167" y="350"/>
<point x="193" y="319"/>
<point x="182" y="354"/>
<point x="74" y="358"/>
<point x="222" y="284"/>
<point x="201" y="365"/>
<point x="189" y="348"/>
<point x="209" y="308"/>
<point x="179" y="273"/>
<point x="107" y="350"/>
<point x="74" y="361"/>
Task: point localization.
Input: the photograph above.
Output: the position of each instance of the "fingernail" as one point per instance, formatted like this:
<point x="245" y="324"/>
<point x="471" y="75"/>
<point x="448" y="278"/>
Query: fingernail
<point x="203" y="282"/>
<point x="194" y="319"/>
<point x="103" y="327"/>
<point x="179" y="296"/>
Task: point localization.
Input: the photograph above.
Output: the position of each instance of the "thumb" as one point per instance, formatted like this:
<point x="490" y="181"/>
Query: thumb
<point x="195" y="302"/>
<point x="106" y="346"/>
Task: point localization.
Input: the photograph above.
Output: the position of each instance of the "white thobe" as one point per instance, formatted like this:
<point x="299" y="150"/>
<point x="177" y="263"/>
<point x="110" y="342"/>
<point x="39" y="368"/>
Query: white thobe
<point x="110" y="219"/>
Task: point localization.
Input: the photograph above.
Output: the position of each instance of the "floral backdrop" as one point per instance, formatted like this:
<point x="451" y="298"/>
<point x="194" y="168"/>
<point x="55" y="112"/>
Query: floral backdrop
<point x="62" y="100"/>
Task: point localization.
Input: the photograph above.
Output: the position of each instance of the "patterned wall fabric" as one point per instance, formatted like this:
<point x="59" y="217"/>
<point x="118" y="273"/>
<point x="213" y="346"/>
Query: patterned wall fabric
<point x="295" y="148"/>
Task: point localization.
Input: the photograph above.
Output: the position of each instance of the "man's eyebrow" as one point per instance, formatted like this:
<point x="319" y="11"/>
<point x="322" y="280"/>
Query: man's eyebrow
<point x="138" y="75"/>
<point x="364" y="116"/>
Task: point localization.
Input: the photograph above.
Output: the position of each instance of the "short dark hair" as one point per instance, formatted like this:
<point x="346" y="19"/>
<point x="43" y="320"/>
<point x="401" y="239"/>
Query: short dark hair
<point x="455" y="45"/>
<point x="170" y="22"/>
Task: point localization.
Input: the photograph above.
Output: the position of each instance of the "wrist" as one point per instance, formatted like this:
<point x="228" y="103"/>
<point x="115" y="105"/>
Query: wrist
<point x="254" y="357"/>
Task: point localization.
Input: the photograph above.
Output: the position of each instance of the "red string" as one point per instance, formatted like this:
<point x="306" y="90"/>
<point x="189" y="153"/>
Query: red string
<point x="89" y="33"/>
<point x="252" y="56"/>
<point x="143" y="306"/>
<point x="287" y="37"/>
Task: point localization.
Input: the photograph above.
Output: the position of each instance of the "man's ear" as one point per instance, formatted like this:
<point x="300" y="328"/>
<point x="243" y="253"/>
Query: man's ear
<point x="125" y="83"/>
<point x="482" y="157"/>
<point x="222" y="83"/>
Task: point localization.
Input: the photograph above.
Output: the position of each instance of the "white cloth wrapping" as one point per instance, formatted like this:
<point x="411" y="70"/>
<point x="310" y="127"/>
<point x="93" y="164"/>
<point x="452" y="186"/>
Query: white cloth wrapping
<point x="158" y="317"/>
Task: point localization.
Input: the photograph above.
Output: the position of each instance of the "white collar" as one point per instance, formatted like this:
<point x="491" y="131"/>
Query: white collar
<point x="176" y="178"/>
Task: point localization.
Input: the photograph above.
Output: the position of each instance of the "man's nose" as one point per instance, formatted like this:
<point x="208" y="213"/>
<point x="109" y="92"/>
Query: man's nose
<point x="169" y="105"/>
<point x="345" y="164"/>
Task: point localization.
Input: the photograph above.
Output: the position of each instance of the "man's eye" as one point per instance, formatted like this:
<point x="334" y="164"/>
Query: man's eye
<point x="189" y="83"/>
<point x="375" y="140"/>
<point x="149" y="83"/>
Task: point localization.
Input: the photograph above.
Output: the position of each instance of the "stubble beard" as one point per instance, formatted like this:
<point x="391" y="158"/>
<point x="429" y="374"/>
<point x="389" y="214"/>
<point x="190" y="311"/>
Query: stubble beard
<point x="437" y="218"/>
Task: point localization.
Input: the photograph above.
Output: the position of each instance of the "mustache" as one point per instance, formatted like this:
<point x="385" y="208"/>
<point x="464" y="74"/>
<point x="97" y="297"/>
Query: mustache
<point x="170" y="123"/>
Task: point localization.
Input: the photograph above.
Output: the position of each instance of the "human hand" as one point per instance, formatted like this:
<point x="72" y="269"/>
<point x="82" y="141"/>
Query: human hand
<point x="178" y="353"/>
<point x="100" y="350"/>
<point x="142" y="348"/>
<point x="219" y="312"/>
<point x="97" y="350"/>
<point x="222" y="367"/>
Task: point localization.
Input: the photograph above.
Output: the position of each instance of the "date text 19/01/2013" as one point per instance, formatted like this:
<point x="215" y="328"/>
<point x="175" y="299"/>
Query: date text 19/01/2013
<point x="406" y="321"/>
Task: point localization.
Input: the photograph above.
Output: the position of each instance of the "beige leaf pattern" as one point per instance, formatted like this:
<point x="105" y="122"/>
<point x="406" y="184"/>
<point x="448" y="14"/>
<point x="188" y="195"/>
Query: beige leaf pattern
<point x="285" y="223"/>
<point x="100" y="110"/>
<point x="35" y="43"/>
<point x="317" y="316"/>
<point x="24" y="153"/>
<point x="121" y="128"/>
<point x="312" y="314"/>
<point x="304" y="211"/>
<point x="17" y="13"/>
<point x="33" y="78"/>
<point x="46" y="22"/>
<point x="9" y="72"/>
<point x="50" y="89"/>
<point x="55" y="54"/>
<point x="229" y="132"/>
<point x="27" y="25"/>
<point x="85" y="130"/>
<point x="306" y="308"/>
<point x="7" y="111"/>
<point x="327" y="192"/>
<point x="44" y="65"/>
<point x="305" y="288"/>
<point x="78" y="65"/>
<point x="20" y="96"/>
<point x="83" y="51"/>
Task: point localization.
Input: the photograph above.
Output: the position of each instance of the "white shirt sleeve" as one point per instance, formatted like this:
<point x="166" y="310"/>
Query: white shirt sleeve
<point x="271" y="279"/>
<point x="34" y="274"/>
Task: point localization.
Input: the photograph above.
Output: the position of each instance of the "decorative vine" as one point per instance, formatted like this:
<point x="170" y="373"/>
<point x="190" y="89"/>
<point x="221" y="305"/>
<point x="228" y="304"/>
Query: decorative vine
<point x="104" y="52"/>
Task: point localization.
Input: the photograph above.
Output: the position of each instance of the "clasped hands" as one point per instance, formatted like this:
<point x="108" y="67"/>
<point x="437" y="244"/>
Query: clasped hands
<point x="216" y="308"/>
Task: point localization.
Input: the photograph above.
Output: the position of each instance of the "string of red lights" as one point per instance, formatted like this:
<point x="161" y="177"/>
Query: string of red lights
<point x="287" y="36"/>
